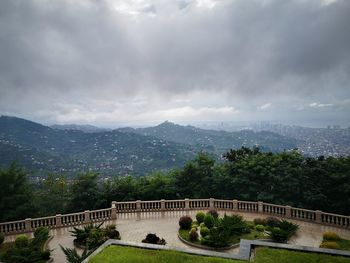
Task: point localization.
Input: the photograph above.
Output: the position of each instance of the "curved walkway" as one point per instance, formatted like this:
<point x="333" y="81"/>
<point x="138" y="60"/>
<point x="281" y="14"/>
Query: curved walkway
<point x="135" y="226"/>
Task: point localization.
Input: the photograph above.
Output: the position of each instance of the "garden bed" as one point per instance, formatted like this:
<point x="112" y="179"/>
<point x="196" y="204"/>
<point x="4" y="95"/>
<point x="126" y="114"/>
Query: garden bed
<point x="333" y="241"/>
<point x="209" y="231"/>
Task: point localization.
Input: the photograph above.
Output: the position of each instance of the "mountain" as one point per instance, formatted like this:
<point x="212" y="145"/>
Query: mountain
<point x="43" y="149"/>
<point x="68" y="150"/>
<point x="216" y="141"/>
<point x="84" y="128"/>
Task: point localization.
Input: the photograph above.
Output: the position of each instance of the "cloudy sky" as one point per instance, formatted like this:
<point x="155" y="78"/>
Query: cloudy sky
<point x="111" y="62"/>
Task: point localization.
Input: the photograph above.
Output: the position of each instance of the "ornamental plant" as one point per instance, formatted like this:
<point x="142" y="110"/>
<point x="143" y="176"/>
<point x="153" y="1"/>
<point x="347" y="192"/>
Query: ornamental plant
<point x="200" y="217"/>
<point x="185" y="222"/>
<point x="209" y="221"/>
<point x="193" y="234"/>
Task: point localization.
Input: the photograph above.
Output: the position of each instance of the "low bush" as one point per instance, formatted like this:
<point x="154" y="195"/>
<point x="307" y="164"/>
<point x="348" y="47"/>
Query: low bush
<point x="21" y="241"/>
<point x="41" y="234"/>
<point x="234" y="225"/>
<point x="202" y="225"/>
<point x="260" y="228"/>
<point x="260" y="221"/>
<point x="45" y="255"/>
<point x="200" y="217"/>
<point x="112" y="232"/>
<point x="330" y="236"/>
<point x="272" y="222"/>
<point x="41" y="231"/>
<point x="2" y="238"/>
<point x="283" y="231"/>
<point x="193" y="234"/>
<point x="27" y="250"/>
<point x="96" y="238"/>
<point x="209" y="220"/>
<point x="185" y="222"/>
<point x="154" y="239"/>
<point x="329" y="244"/>
<point x="204" y="231"/>
<point x="214" y="213"/>
<point x="194" y="225"/>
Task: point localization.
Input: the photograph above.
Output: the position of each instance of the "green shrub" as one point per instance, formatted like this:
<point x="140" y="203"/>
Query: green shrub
<point x="209" y="220"/>
<point x="21" y="241"/>
<point x="330" y="236"/>
<point x="329" y="244"/>
<point x="2" y="238"/>
<point x="234" y="225"/>
<point x="206" y="241"/>
<point x="112" y="232"/>
<point x="260" y="228"/>
<point x="96" y="238"/>
<point x="193" y="234"/>
<point x="272" y="222"/>
<point x="214" y="213"/>
<point x="250" y="225"/>
<point x="45" y="255"/>
<point x="185" y="222"/>
<point x="41" y="231"/>
<point x="200" y="217"/>
<point x="202" y="225"/>
<point x="154" y="239"/>
<point x="41" y="234"/>
<point x="218" y="237"/>
<point x="204" y="231"/>
<point x="194" y="225"/>
<point x="278" y="235"/>
<point x="260" y="221"/>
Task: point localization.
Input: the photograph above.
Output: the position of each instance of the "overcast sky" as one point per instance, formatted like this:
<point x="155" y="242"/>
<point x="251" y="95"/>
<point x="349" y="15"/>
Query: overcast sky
<point x="116" y="62"/>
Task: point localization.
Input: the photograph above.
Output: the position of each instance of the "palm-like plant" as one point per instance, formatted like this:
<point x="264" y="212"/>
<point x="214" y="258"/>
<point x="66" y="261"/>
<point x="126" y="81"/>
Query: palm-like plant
<point x="72" y="255"/>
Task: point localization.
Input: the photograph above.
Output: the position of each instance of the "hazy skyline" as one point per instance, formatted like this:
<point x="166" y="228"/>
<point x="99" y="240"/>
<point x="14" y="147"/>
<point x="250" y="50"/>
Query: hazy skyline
<point x="145" y="61"/>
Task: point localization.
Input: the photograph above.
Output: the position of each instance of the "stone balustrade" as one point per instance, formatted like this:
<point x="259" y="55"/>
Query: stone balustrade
<point x="87" y="216"/>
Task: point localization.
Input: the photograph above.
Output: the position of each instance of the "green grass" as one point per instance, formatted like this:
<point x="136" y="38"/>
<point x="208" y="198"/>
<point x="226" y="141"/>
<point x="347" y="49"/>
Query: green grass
<point x="120" y="254"/>
<point x="271" y="255"/>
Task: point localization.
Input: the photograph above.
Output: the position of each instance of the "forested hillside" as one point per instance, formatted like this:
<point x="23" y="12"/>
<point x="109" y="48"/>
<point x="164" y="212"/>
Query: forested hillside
<point x="280" y="178"/>
<point x="217" y="141"/>
<point x="42" y="149"/>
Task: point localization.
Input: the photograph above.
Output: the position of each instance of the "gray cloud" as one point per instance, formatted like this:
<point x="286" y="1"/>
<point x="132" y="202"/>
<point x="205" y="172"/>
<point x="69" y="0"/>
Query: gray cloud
<point x="108" y="61"/>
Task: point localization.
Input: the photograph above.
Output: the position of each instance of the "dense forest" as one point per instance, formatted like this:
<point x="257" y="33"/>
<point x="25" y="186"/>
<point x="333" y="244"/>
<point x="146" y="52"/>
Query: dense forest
<point x="285" y="178"/>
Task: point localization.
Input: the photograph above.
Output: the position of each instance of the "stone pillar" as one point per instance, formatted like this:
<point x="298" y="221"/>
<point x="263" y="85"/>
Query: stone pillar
<point x="260" y="207"/>
<point x="235" y="205"/>
<point x="114" y="210"/>
<point x="87" y="216"/>
<point x="211" y="203"/>
<point x="288" y="211"/>
<point x="138" y="206"/>
<point x="58" y="220"/>
<point x="318" y="216"/>
<point x="28" y="224"/>
<point x="187" y="204"/>
<point x="162" y="204"/>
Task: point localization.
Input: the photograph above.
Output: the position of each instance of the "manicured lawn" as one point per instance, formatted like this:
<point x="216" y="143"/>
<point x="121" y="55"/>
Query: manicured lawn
<point x="271" y="255"/>
<point x="120" y="254"/>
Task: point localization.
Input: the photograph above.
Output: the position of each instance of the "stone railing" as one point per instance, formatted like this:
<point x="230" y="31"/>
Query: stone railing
<point x="138" y="206"/>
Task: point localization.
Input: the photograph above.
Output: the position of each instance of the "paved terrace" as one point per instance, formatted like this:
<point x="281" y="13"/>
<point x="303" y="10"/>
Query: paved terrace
<point x="135" y="220"/>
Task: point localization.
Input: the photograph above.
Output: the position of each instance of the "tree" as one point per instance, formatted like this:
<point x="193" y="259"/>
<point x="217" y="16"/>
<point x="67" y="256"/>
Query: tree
<point x="16" y="194"/>
<point x="85" y="193"/>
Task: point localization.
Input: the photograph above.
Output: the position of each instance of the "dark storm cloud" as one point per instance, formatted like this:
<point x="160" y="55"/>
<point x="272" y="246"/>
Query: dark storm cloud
<point x="70" y="60"/>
